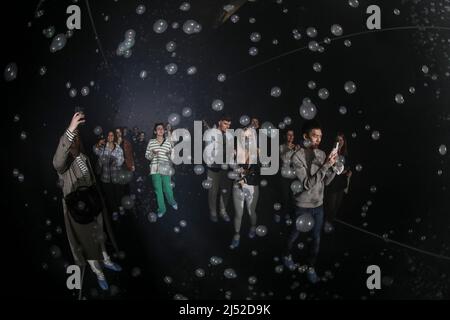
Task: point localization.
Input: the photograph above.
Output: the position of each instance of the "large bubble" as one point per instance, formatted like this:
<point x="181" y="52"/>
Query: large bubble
<point x="275" y="92"/>
<point x="244" y="120"/>
<point x="261" y="231"/>
<point x="174" y="119"/>
<point x="255" y="37"/>
<point x="10" y="72"/>
<point x="229" y="273"/>
<point x="186" y="112"/>
<point x="191" y="27"/>
<point x="296" y="186"/>
<point x="443" y="149"/>
<point x="160" y="26"/>
<point x="217" y="105"/>
<point x="305" y="222"/>
<point x="171" y="68"/>
<point x="337" y="30"/>
<point x="58" y="42"/>
<point x="140" y="9"/>
<point x="350" y="87"/>
<point x="308" y="110"/>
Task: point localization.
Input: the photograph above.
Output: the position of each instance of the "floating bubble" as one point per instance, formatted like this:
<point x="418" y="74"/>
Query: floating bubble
<point x="347" y="43"/>
<point x="443" y="149"/>
<point x="254" y="253"/>
<point x="16" y="173"/>
<point x="255" y="37"/>
<point x="49" y="32"/>
<point x="342" y="110"/>
<point x="313" y="46"/>
<point x="296" y="187"/>
<point x="234" y="18"/>
<point x="252" y="280"/>
<point x="23" y="135"/>
<point x="311" y="32"/>
<point x="185" y="6"/>
<point x="399" y="99"/>
<point x="127" y="202"/>
<point x="279" y="269"/>
<point x="317" y="67"/>
<point x="261" y="231"/>
<point x="176" y="229"/>
<point x="358" y="167"/>
<point x="171" y="68"/>
<point x="281" y="125"/>
<point x="253" y="51"/>
<point x="10" y="72"/>
<point x="191" y="70"/>
<point x="168" y="280"/>
<point x="199" y="169"/>
<point x="55" y="251"/>
<point x="229" y="273"/>
<point x="174" y="119"/>
<point x="311" y="85"/>
<point x="275" y="92"/>
<point x="244" y="120"/>
<point x="287" y="173"/>
<point x="375" y="135"/>
<point x="308" y="110"/>
<point x="277" y="206"/>
<point x="171" y="46"/>
<point x="252" y="20"/>
<point x="305" y="222"/>
<point x="271" y="131"/>
<point x="140" y="9"/>
<point x="217" y="105"/>
<point x="143" y="74"/>
<point x="191" y="27"/>
<point x="84" y="91"/>
<point x="323" y="93"/>
<point x="183" y="223"/>
<point x="412" y="90"/>
<point x="350" y="87"/>
<point x="287" y="121"/>
<point x="160" y="26"/>
<point x="221" y="77"/>
<point x="152" y="217"/>
<point x="337" y="30"/>
<point x="42" y="70"/>
<point x="215" y="261"/>
<point x="297" y="36"/>
<point x="300" y="245"/>
<point x="207" y="184"/>
<point x="425" y="69"/>
<point x="20" y="177"/>
<point x="353" y="3"/>
<point x="186" y="112"/>
<point x="58" y="42"/>
<point x="199" y="273"/>
<point x="73" y="93"/>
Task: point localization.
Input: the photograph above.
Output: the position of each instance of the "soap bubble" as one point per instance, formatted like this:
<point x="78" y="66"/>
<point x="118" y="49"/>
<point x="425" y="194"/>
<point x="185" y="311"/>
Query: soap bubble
<point x="234" y="18"/>
<point x="217" y="105"/>
<point x="42" y="70"/>
<point x="183" y="224"/>
<point x="317" y="67"/>
<point x="279" y="269"/>
<point x="323" y="93"/>
<point x="152" y="217"/>
<point x="200" y="273"/>
<point x="255" y="37"/>
<point x="396" y="12"/>
<point x="176" y="229"/>
<point x="287" y="121"/>
<point x="127" y="202"/>
<point x="305" y="222"/>
<point x="174" y="119"/>
<point x="215" y="261"/>
<point x="10" y="72"/>
<point x="175" y="25"/>
<point x="58" y="42"/>
<point x="412" y="90"/>
<point x="271" y="130"/>
<point x="311" y="32"/>
<point x="311" y="85"/>
<point x="347" y="43"/>
<point x="16" y="118"/>
<point x="168" y="280"/>
<point x="261" y="231"/>
<point x="23" y="135"/>
<point x="275" y="92"/>
<point x="399" y="99"/>
<point x="221" y="77"/>
<point x="296" y="187"/>
<point x="281" y="125"/>
<point x="244" y="120"/>
<point x="84" y="91"/>
<point x="443" y="149"/>
<point x="342" y="110"/>
<point x="337" y="30"/>
<point x="350" y="87"/>
<point x="287" y="173"/>
<point x="313" y="46"/>
<point x="207" y="184"/>
<point x="191" y="70"/>
<point x="73" y="93"/>
<point x="252" y="20"/>
<point x="185" y="6"/>
<point x="20" y="177"/>
<point x="49" y="32"/>
<point x="160" y="26"/>
<point x="358" y="167"/>
<point x="353" y="3"/>
<point x="308" y="110"/>
<point x="171" y="46"/>
<point x="253" y="51"/>
<point x="425" y="69"/>
<point x="15" y="173"/>
<point x="55" y="251"/>
<point x="373" y="189"/>
<point x="229" y="273"/>
<point x="375" y="135"/>
<point x="252" y="280"/>
<point x="143" y="74"/>
<point x="277" y="206"/>
<point x="191" y="27"/>
<point x="171" y="68"/>
<point x="140" y="9"/>
<point x="186" y="112"/>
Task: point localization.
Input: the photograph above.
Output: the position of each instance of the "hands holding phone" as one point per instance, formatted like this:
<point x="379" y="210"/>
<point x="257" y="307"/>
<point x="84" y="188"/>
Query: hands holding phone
<point x="77" y="119"/>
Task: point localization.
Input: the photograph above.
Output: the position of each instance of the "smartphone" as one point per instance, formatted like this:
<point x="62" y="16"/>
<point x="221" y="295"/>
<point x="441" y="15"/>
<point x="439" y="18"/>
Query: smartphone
<point x="336" y="148"/>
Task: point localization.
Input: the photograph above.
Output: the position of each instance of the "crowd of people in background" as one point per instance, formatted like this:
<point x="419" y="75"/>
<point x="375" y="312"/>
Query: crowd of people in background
<point x="126" y="156"/>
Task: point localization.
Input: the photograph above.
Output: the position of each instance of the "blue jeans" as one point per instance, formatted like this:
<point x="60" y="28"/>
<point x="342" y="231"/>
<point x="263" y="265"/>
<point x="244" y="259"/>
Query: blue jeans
<point x="318" y="215"/>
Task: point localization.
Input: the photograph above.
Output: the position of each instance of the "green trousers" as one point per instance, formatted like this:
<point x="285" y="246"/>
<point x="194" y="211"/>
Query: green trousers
<point x="162" y="186"/>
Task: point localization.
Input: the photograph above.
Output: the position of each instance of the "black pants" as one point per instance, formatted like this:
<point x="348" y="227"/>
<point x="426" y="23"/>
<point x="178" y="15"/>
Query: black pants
<point x="332" y="203"/>
<point x="112" y="194"/>
<point x="287" y="197"/>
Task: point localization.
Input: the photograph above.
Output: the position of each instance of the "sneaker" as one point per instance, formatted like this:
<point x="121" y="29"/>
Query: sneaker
<point x="252" y="232"/>
<point x="112" y="266"/>
<point x="234" y="243"/>
<point x="160" y="214"/>
<point x="289" y="263"/>
<point x="102" y="282"/>
<point x="312" y="276"/>
<point x="225" y="216"/>
<point x="175" y="206"/>
<point x="214" y="218"/>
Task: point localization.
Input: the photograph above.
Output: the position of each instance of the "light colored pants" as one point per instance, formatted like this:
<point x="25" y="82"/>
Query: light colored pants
<point x="220" y="183"/>
<point x="248" y="195"/>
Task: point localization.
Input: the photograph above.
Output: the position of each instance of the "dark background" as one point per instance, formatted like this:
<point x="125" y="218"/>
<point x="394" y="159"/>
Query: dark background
<point x="403" y="164"/>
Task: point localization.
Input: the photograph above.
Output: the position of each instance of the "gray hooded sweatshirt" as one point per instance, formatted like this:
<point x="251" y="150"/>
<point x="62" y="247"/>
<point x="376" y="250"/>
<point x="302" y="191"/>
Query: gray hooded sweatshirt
<point x="314" y="174"/>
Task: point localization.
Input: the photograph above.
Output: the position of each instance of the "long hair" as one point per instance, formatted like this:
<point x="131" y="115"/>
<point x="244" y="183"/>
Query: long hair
<point x="344" y="149"/>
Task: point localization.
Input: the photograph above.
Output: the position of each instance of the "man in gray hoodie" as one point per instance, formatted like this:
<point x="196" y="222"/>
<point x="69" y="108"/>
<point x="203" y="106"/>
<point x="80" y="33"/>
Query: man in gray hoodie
<point x="313" y="170"/>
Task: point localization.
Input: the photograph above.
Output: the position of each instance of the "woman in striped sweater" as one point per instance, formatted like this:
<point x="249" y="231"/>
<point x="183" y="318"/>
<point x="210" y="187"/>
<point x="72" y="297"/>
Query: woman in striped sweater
<point x="158" y="152"/>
